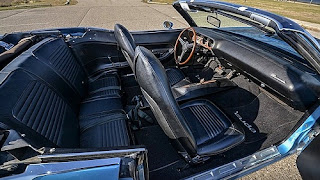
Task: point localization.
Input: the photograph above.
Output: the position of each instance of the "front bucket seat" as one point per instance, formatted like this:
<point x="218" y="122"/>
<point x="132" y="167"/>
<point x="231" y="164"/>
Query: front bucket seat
<point x="127" y="45"/>
<point x="198" y="128"/>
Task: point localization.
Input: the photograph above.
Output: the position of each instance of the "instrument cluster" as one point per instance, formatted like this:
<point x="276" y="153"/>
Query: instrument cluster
<point x="205" y="42"/>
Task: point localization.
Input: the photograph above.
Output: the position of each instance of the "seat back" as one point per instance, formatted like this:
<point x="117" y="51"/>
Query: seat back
<point x="55" y="53"/>
<point x="155" y="87"/>
<point x="64" y="80"/>
<point x="126" y="43"/>
<point x="38" y="100"/>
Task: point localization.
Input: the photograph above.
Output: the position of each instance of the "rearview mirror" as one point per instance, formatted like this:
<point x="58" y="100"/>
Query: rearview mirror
<point x="213" y="21"/>
<point x="167" y="24"/>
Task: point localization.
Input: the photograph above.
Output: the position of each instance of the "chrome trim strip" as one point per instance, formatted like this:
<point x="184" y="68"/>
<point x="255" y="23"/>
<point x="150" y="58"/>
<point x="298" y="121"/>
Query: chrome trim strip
<point x="234" y="167"/>
<point x="35" y="170"/>
<point x="65" y="155"/>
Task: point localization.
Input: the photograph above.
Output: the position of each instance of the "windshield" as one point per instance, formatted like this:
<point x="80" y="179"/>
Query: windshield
<point x="200" y="18"/>
<point x="240" y="25"/>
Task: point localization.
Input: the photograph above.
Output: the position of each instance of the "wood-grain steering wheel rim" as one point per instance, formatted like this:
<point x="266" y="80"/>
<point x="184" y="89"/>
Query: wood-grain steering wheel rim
<point x="194" y="38"/>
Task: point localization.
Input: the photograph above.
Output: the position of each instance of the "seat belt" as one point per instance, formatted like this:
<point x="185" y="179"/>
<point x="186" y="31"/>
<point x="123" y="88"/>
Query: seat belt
<point x="108" y="72"/>
<point x="106" y="88"/>
<point x="136" y="114"/>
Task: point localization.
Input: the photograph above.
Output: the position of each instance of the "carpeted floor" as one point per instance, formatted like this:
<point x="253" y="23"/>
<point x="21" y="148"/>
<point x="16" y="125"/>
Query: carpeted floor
<point x="271" y="119"/>
<point x="269" y="122"/>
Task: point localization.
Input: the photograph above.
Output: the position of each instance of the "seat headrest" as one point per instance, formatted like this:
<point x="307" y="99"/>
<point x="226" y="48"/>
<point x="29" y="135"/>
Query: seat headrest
<point x="125" y="39"/>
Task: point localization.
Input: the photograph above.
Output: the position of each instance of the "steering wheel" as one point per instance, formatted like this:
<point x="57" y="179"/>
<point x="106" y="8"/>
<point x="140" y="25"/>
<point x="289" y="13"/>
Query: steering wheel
<point x="186" y="41"/>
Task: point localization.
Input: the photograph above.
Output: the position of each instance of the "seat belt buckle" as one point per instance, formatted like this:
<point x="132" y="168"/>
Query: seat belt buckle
<point x="137" y="100"/>
<point x="136" y="114"/>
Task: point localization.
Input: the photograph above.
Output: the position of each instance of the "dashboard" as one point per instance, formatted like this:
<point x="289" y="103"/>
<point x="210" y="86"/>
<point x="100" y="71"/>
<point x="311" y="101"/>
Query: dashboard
<point x="274" y="69"/>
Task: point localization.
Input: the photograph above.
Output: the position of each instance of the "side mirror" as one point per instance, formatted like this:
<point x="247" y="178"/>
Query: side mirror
<point x="167" y="24"/>
<point x="213" y="21"/>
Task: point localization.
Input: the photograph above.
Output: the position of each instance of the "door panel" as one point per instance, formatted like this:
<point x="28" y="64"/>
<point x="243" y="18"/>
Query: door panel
<point x="97" y="50"/>
<point x="161" y="43"/>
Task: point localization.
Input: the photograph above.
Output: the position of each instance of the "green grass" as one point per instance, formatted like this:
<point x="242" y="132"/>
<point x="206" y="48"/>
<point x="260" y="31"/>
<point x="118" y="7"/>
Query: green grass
<point x="299" y="11"/>
<point x="23" y="4"/>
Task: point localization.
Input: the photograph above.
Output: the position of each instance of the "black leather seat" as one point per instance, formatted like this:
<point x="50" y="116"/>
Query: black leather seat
<point x="198" y="128"/>
<point x="56" y="54"/>
<point x="46" y="95"/>
<point x="127" y="44"/>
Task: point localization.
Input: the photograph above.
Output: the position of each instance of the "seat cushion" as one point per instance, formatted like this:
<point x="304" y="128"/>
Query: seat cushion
<point x="99" y="105"/>
<point x="104" y="130"/>
<point x="175" y="75"/>
<point x="212" y="130"/>
<point x="32" y="107"/>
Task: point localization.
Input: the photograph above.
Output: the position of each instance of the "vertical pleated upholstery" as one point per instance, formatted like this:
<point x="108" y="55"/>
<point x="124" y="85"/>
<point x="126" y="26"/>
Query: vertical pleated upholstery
<point x="56" y="54"/>
<point x="43" y="94"/>
<point x="43" y="110"/>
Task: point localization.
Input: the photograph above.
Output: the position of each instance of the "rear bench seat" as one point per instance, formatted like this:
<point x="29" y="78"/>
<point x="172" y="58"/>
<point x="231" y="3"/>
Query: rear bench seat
<point x="46" y="95"/>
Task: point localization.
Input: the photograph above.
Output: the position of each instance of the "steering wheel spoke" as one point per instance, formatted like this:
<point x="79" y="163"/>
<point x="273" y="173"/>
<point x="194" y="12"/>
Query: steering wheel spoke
<point x="182" y="42"/>
<point x="185" y="46"/>
<point x="182" y="54"/>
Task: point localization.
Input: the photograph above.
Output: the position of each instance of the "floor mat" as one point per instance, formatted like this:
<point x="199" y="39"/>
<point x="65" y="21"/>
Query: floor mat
<point x="180" y="169"/>
<point x="262" y="117"/>
<point x="161" y="153"/>
<point x="164" y="159"/>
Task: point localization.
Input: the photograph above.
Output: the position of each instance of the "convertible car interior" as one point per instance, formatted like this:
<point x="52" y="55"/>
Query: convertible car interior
<point x="196" y="98"/>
